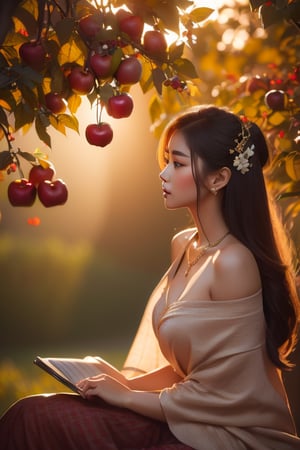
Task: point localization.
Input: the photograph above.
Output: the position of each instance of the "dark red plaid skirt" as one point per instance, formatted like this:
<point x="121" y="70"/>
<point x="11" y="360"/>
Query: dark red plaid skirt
<point x="68" y="422"/>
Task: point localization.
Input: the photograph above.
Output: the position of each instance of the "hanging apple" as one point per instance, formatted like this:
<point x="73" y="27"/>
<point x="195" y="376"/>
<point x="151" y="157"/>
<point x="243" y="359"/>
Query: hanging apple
<point x="55" y="103"/>
<point x="276" y="100"/>
<point x="39" y="173"/>
<point x="21" y="192"/>
<point x="132" y="25"/>
<point x="99" y="134"/>
<point x="101" y="65"/>
<point x="129" y="71"/>
<point x="33" y="54"/>
<point x="155" y="43"/>
<point x="81" y="80"/>
<point x="90" y="25"/>
<point x="120" y="106"/>
<point x="52" y="193"/>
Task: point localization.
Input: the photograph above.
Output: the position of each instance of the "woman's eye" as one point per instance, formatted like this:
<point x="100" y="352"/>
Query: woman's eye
<point x="177" y="164"/>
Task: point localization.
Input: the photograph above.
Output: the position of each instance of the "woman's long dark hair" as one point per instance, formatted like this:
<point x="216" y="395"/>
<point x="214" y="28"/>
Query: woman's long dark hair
<point x="210" y="133"/>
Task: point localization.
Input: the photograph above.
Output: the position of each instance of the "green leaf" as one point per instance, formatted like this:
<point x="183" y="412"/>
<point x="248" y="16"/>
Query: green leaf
<point x="168" y="14"/>
<point x="185" y="67"/>
<point x="158" y="77"/>
<point x="44" y="118"/>
<point x="27" y="20"/>
<point x="53" y="48"/>
<point x="23" y="115"/>
<point x="116" y="59"/>
<point x="105" y="92"/>
<point x="106" y="35"/>
<point x="92" y="97"/>
<point x="200" y="14"/>
<point x="176" y="51"/>
<point x="29" y="96"/>
<point x="6" y="158"/>
<point x="41" y="130"/>
<point x="57" y="78"/>
<point x="7" y="79"/>
<point x="29" y="76"/>
<point x="64" y="29"/>
<point x="8" y="98"/>
<point x="27" y="156"/>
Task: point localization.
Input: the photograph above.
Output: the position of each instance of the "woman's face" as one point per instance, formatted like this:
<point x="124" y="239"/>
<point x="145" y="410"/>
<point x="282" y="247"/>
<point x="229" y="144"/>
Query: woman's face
<point x="179" y="188"/>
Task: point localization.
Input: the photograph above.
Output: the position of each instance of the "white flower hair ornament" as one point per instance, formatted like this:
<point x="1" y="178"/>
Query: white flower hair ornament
<point x="241" y="160"/>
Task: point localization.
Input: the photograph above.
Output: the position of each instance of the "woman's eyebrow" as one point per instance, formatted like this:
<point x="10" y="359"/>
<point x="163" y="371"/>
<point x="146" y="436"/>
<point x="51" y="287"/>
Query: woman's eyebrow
<point x="176" y="153"/>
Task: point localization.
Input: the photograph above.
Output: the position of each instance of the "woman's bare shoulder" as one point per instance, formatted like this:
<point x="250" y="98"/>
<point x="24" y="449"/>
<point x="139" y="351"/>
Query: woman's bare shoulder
<point x="236" y="274"/>
<point x="180" y="240"/>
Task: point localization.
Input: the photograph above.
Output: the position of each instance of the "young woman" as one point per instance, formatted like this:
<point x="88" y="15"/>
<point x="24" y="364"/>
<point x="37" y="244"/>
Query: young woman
<point x="204" y="371"/>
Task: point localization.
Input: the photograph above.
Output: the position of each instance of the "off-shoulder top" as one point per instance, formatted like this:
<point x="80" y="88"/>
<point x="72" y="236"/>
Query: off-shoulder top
<point x="231" y="396"/>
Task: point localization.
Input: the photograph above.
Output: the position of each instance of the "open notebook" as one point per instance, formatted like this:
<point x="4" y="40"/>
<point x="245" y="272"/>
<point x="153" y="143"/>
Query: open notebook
<point x="70" y="370"/>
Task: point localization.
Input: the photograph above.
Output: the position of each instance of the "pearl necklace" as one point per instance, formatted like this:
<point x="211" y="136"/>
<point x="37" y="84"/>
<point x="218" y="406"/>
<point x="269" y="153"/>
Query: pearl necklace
<point x="201" y="251"/>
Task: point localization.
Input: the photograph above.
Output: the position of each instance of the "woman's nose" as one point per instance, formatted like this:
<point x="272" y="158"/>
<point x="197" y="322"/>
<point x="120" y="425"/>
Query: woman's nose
<point x="164" y="174"/>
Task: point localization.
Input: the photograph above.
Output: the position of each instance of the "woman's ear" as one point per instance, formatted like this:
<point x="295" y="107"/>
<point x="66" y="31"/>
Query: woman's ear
<point x="219" y="179"/>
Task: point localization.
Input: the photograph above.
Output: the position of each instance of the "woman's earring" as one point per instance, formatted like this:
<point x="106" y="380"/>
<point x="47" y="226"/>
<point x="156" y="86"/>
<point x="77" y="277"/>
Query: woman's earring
<point x="213" y="190"/>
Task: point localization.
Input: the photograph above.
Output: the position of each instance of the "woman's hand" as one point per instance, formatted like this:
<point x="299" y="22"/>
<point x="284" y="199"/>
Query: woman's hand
<point x="117" y="394"/>
<point x="106" y="387"/>
<point x="108" y="369"/>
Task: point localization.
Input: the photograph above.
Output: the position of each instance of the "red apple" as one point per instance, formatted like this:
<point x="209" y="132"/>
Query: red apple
<point x="129" y="71"/>
<point x="52" y="193"/>
<point x="55" y="103"/>
<point x="133" y="26"/>
<point x="101" y="65"/>
<point x="155" y="43"/>
<point x="90" y="25"/>
<point x="39" y="173"/>
<point x="276" y="100"/>
<point x="120" y="106"/>
<point x="81" y="81"/>
<point x="21" y="192"/>
<point x="33" y="54"/>
<point x="99" y="134"/>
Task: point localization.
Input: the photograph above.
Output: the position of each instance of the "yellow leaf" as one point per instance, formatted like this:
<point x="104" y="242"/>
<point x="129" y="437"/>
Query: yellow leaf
<point x="42" y="158"/>
<point x="69" y="53"/>
<point x="46" y="84"/>
<point x="5" y="105"/>
<point x="292" y="166"/>
<point x="68" y="121"/>
<point x="74" y="101"/>
<point x="250" y="111"/>
<point x="276" y="118"/>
